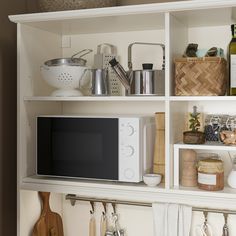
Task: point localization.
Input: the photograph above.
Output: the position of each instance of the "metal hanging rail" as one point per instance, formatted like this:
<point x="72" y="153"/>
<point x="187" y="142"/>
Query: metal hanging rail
<point x="73" y="198"/>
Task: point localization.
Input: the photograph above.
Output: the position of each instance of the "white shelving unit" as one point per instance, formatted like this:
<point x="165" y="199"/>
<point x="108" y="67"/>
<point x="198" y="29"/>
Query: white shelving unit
<point x="209" y="146"/>
<point x="43" y="36"/>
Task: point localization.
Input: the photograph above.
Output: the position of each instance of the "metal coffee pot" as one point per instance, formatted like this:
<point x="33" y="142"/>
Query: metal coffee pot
<point x="99" y="83"/>
<point x="141" y="82"/>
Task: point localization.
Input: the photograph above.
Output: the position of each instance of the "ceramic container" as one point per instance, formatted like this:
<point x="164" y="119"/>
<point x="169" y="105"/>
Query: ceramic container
<point x="152" y="180"/>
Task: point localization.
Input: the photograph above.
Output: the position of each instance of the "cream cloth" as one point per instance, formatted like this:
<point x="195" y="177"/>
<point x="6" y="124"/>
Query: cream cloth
<point x="171" y="219"/>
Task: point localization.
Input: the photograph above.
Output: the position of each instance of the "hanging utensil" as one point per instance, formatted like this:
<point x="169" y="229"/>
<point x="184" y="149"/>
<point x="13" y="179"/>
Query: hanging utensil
<point x="118" y="231"/>
<point x="225" y="228"/>
<point x="205" y="228"/>
<point x="49" y="222"/>
<point x="92" y="222"/>
<point x="103" y="223"/>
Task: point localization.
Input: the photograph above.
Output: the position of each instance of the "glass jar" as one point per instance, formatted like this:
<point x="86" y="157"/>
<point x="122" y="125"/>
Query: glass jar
<point x="214" y="124"/>
<point x="211" y="174"/>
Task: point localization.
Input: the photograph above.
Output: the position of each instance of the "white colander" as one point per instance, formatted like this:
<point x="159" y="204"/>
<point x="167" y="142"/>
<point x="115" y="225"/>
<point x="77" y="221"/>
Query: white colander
<point x="65" y="78"/>
<point x="65" y="74"/>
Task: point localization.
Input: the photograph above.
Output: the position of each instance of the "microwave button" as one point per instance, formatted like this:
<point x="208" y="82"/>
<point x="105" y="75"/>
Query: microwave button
<point x="129" y="174"/>
<point x="129" y="130"/>
<point x="128" y="151"/>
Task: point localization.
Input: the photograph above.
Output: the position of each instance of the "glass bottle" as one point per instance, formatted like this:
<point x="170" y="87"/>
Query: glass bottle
<point x="232" y="59"/>
<point x="232" y="175"/>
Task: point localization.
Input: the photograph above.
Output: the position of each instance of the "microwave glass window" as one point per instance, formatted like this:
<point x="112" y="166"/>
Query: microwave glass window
<point x="87" y="147"/>
<point x="78" y="147"/>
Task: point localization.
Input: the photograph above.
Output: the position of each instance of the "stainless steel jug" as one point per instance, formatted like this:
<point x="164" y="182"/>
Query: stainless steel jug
<point x="147" y="81"/>
<point x="99" y="82"/>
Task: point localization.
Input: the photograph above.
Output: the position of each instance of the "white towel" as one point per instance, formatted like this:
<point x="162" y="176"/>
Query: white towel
<point x="171" y="219"/>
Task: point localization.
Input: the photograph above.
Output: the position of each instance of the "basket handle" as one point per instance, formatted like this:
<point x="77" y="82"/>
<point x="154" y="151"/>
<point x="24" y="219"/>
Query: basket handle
<point x="86" y="51"/>
<point x="130" y="65"/>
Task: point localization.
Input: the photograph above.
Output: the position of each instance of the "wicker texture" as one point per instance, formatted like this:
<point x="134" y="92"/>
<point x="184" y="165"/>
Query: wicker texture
<point x="200" y="76"/>
<point x="61" y="5"/>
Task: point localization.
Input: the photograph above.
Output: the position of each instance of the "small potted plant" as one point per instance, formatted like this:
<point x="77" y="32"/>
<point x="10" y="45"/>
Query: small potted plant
<point x="194" y="136"/>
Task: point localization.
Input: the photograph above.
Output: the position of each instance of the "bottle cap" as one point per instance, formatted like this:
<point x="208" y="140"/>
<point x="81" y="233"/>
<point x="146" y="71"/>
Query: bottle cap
<point x="147" y="66"/>
<point x="233" y="26"/>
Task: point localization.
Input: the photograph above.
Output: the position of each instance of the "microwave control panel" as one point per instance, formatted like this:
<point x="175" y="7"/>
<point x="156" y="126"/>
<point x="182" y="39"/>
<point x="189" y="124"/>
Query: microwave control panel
<point x="130" y="158"/>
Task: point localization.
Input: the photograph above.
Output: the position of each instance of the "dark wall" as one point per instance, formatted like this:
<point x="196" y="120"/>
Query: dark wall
<point x="8" y="116"/>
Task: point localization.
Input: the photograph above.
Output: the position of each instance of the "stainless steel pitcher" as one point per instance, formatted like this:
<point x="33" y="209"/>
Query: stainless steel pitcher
<point x="99" y="82"/>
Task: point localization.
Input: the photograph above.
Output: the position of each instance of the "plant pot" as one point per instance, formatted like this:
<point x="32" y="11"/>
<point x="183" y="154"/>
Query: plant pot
<point x="191" y="137"/>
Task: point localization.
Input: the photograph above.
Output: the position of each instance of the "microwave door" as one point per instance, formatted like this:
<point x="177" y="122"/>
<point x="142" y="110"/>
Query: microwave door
<point x="79" y="147"/>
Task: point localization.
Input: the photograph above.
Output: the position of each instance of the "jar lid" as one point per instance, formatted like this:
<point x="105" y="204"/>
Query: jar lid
<point x="211" y="165"/>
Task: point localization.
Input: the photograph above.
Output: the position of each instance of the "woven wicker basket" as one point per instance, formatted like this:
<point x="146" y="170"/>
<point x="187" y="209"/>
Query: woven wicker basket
<point x="200" y="76"/>
<point x="61" y="5"/>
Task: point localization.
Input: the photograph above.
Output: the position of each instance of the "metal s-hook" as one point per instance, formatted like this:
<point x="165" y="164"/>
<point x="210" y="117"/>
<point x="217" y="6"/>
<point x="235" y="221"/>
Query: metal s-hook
<point x="205" y="213"/>
<point x="225" y="227"/>
<point x="105" y="207"/>
<point x="92" y="206"/>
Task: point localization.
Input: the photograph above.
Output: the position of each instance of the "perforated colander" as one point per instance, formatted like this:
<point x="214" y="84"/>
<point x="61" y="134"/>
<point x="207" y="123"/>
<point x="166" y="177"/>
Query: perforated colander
<point x="65" y="74"/>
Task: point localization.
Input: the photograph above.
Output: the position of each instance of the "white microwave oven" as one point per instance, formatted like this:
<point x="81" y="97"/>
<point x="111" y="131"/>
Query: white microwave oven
<point x="106" y="148"/>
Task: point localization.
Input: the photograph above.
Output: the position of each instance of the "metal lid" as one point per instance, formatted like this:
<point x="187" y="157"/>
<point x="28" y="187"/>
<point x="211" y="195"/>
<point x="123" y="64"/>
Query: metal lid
<point x="71" y="61"/>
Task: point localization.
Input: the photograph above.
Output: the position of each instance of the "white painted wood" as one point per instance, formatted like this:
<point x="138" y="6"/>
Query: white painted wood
<point x="214" y="146"/>
<point x="97" y="99"/>
<point x="203" y="98"/>
<point x="176" y="165"/>
<point x="223" y="151"/>
<point x="167" y="92"/>
<point x="143" y="193"/>
<point x="178" y="38"/>
<point x="124" y="10"/>
<point x="45" y="36"/>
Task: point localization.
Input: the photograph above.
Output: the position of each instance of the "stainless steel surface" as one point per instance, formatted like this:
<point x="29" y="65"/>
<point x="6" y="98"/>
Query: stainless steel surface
<point x="74" y="198"/>
<point x="71" y="61"/>
<point x="225" y="227"/>
<point x="105" y="53"/>
<point x="147" y="82"/>
<point x="109" y="233"/>
<point x="124" y="79"/>
<point x="99" y="82"/>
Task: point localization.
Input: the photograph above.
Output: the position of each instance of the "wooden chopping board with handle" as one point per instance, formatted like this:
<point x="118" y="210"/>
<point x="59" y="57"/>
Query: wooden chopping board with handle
<point x="49" y="223"/>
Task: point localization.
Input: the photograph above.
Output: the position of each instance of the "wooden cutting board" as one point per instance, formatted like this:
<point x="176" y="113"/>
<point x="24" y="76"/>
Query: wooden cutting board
<point x="49" y="223"/>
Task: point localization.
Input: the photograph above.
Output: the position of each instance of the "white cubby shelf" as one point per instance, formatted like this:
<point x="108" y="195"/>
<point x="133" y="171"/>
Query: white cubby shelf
<point x="44" y="36"/>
